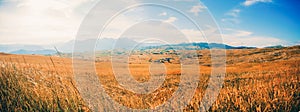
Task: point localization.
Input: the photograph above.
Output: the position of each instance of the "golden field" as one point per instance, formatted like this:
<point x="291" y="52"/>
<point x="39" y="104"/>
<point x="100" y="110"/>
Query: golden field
<point x="265" y="79"/>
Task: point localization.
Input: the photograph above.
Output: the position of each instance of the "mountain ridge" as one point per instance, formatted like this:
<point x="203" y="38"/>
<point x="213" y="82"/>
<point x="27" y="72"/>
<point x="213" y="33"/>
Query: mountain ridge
<point x="109" y="44"/>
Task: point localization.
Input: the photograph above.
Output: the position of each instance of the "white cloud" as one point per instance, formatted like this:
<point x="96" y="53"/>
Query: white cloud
<point x="163" y="14"/>
<point x="184" y="0"/>
<point x="41" y="21"/>
<point x="155" y="30"/>
<point x="208" y="34"/>
<point x="118" y="26"/>
<point x="231" y="20"/>
<point x="233" y="13"/>
<point x="196" y="9"/>
<point x="171" y="20"/>
<point x="256" y="41"/>
<point x="232" y="16"/>
<point x="239" y="33"/>
<point x="251" y="2"/>
<point x="246" y="38"/>
<point x="193" y="35"/>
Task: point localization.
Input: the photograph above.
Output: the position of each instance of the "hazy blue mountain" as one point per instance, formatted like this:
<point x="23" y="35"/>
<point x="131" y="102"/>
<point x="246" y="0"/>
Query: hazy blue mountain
<point x="40" y="52"/>
<point x="277" y="46"/>
<point x="15" y="47"/>
<point x="201" y="45"/>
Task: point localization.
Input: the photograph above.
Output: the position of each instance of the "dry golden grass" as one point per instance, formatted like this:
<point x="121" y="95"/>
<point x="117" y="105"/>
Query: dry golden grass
<point x="256" y="80"/>
<point x="28" y="86"/>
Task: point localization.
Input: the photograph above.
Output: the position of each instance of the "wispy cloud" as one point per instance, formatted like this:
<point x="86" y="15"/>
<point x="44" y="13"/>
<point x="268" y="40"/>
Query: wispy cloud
<point x="171" y="20"/>
<point x="251" y="2"/>
<point x="232" y="16"/>
<point x="197" y="9"/>
<point x="238" y="37"/>
<point x="233" y="13"/>
<point x="231" y="20"/>
<point x="163" y="14"/>
<point x="239" y="33"/>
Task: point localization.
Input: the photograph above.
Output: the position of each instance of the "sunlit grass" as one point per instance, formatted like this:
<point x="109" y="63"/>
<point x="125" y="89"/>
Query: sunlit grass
<point x="38" y="83"/>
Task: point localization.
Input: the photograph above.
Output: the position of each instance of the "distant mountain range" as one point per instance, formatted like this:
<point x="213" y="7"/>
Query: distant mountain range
<point x="41" y="52"/>
<point x="14" y="47"/>
<point x="26" y="49"/>
<point x="108" y="44"/>
<point x="202" y="45"/>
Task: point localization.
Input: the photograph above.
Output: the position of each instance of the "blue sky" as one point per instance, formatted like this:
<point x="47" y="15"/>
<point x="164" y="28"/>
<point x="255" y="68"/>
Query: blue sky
<point x="243" y="22"/>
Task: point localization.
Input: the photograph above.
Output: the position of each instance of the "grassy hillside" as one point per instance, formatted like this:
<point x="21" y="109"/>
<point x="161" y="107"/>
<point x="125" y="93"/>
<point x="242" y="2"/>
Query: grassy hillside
<point x="256" y="80"/>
